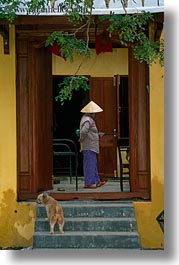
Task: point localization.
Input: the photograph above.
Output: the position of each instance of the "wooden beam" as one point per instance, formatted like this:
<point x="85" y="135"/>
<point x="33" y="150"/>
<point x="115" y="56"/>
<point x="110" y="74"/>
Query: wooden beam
<point x="159" y="17"/>
<point x="44" y="30"/>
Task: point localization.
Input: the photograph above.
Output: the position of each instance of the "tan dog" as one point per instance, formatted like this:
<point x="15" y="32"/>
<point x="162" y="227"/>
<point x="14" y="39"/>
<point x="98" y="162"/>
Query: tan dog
<point x="54" y="211"/>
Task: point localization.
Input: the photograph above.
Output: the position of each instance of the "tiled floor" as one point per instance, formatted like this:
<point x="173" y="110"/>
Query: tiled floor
<point x="112" y="185"/>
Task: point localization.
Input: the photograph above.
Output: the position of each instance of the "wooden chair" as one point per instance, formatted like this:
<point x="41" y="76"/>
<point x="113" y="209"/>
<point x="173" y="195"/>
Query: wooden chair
<point x="65" y="156"/>
<point x="124" y="158"/>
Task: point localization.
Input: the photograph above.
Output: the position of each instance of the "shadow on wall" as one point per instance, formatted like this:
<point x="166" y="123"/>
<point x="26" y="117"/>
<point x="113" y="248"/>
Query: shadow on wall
<point x="17" y="221"/>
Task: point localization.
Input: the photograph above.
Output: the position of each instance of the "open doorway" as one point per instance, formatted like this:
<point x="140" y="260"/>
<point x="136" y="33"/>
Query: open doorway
<point x="123" y="141"/>
<point x="124" y="107"/>
<point x="66" y="118"/>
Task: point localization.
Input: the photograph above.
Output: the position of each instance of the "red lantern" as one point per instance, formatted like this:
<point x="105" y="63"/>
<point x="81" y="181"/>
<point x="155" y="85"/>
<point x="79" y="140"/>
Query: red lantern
<point x="56" y="49"/>
<point x="103" y="43"/>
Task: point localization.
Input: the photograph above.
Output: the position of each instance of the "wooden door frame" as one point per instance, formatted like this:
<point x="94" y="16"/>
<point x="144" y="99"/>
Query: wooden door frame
<point x="139" y="126"/>
<point x="138" y="173"/>
<point x="31" y="176"/>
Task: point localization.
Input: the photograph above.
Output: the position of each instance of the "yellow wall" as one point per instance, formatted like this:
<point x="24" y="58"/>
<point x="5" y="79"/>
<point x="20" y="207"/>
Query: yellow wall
<point x="105" y="64"/>
<point x="8" y="117"/>
<point x="17" y="219"/>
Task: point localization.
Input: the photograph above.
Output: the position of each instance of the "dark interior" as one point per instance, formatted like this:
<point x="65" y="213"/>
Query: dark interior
<point x="66" y="118"/>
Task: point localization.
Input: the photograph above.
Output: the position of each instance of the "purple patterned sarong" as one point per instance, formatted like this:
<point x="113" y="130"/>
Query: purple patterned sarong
<point x="90" y="169"/>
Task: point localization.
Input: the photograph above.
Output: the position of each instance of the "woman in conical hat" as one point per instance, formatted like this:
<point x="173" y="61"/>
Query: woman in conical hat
<point x="91" y="107"/>
<point x="89" y="143"/>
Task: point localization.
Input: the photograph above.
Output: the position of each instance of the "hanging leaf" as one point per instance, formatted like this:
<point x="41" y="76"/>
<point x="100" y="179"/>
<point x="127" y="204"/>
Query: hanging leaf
<point x="71" y="84"/>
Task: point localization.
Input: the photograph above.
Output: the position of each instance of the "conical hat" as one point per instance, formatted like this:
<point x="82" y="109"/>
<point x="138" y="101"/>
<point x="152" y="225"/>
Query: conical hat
<point x="91" y="107"/>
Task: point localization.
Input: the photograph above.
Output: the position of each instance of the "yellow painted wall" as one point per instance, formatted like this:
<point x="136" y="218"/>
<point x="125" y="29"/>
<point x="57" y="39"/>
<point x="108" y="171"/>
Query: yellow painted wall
<point x="17" y="218"/>
<point x="105" y="64"/>
<point x="7" y="117"/>
<point x="146" y="212"/>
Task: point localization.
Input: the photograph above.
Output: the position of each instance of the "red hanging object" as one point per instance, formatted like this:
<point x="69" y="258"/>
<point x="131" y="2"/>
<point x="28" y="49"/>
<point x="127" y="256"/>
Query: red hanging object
<point x="103" y="43"/>
<point x="56" y="49"/>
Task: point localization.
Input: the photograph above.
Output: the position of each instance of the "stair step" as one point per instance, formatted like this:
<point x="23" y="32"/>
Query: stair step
<point x="93" y="210"/>
<point x="86" y="239"/>
<point x="90" y="224"/>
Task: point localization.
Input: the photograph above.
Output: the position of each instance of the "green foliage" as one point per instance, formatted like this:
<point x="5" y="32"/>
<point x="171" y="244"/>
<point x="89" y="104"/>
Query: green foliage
<point x="71" y="84"/>
<point x="132" y="31"/>
<point x="77" y="10"/>
<point x="150" y="52"/>
<point x="69" y="44"/>
<point x="8" y="8"/>
<point x="131" y="28"/>
<point x="34" y="6"/>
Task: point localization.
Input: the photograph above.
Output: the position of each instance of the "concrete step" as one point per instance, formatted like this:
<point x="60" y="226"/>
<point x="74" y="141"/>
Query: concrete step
<point x="86" y="239"/>
<point x="90" y="224"/>
<point x="93" y="210"/>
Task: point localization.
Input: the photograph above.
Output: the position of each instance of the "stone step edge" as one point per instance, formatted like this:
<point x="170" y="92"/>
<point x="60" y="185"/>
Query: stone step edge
<point x="78" y="215"/>
<point x="118" y="205"/>
<point x="87" y="233"/>
<point x="91" y="219"/>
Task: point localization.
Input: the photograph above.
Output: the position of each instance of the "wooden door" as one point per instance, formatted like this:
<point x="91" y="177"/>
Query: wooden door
<point x="103" y="92"/>
<point x="139" y="126"/>
<point x="34" y="119"/>
<point x="41" y="77"/>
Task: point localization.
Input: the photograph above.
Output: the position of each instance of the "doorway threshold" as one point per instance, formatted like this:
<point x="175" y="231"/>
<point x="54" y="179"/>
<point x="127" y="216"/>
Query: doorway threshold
<point x="65" y="191"/>
<point x="110" y="191"/>
<point x="62" y="196"/>
<point x="63" y="184"/>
